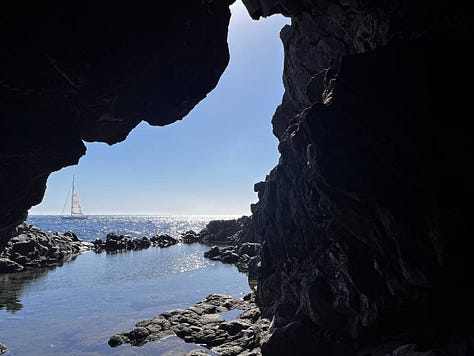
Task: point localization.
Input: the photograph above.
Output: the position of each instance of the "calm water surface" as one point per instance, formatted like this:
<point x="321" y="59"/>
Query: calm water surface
<point x="74" y="309"/>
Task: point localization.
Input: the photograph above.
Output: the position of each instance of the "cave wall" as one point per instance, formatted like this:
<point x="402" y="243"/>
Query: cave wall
<point x="87" y="70"/>
<point x="364" y="221"/>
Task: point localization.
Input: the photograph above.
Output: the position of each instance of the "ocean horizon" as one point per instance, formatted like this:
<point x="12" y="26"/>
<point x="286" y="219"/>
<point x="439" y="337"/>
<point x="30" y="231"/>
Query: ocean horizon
<point x="75" y="308"/>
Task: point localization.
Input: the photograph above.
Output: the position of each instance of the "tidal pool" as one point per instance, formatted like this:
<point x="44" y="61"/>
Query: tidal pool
<point x="75" y="308"/>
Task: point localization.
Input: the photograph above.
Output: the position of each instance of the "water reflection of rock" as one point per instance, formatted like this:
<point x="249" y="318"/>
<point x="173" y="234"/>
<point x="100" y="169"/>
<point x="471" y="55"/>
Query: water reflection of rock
<point x="13" y="284"/>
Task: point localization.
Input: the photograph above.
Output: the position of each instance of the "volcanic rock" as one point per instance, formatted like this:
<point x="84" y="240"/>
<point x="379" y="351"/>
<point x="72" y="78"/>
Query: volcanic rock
<point x="236" y="241"/>
<point x="33" y="248"/>
<point x="116" y="243"/>
<point x="190" y="237"/>
<point x="88" y="70"/>
<point x="163" y="240"/>
<point x="202" y="324"/>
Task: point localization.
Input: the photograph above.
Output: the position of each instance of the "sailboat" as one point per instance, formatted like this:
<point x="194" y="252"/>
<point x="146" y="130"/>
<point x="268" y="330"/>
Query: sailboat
<point x="76" y="212"/>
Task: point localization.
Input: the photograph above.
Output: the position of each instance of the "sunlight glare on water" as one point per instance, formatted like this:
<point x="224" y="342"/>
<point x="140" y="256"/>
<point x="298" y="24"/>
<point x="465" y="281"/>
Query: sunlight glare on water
<point x="74" y="309"/>
<point x="98" y="226"/>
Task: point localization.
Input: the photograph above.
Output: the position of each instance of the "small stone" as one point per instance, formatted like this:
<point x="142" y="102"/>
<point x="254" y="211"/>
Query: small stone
<point x="117" y="340"/>
<point x="198" y="352"/>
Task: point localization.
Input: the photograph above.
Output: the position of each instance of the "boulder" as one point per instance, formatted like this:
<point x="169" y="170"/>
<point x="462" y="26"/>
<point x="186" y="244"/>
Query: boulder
<point x="32" y="248"/>
<point x="213" y="253"/>
<point x="8" y="266"/>
<point x="190" y="237"/>
<point x="163" y="240"/>
<point x="116" y="243"/>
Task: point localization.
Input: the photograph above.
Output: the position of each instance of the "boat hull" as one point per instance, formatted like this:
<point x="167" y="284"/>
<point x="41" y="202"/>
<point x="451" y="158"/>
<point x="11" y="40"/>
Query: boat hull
<point x="70" y="217"/>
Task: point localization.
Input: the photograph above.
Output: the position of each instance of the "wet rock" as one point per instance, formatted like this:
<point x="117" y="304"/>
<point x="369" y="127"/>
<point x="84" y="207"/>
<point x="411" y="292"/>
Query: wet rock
<point x="32" y="248"/>
<point x="229" y="257"/>
<point x="117" y="243"/>
<point x="213" y="253"/>
<point x="234" y="326"/>
<point x="3" y="348"/>
<point x="236" y="241"/>
<point x="190" y="237"/>
<point x="117" y="340"/>
<point x="197" y="353"/>
<point x="8" y="266"/>
<point x="201" y="324"/>
<point x="163" y="240"/>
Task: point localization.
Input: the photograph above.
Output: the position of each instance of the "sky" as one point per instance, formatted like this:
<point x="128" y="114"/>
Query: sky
<point x="205" y="164"/>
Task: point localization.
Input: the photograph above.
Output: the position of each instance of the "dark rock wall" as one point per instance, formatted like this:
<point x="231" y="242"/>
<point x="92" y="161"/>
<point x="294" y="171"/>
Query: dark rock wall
<point x="364" y="221"/>
<point x="88" y="70"/>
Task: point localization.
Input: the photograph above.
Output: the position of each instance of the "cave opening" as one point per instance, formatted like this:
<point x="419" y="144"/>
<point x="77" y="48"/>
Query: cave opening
<point x="205" y="164"/>
<point x="359" y="243"/>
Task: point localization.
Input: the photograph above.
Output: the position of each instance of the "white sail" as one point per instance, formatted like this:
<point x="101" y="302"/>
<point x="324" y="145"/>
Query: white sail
<point x="75" y="205"/>
<point x="76" y="211"/>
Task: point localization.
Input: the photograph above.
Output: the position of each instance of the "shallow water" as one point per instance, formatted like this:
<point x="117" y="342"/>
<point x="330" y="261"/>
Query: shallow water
<point x="74" y="309"/>
<point x="97" y="226"/>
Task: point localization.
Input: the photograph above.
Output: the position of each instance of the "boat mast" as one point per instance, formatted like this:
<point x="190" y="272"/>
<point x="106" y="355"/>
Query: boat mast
<point x="72" y="195"/>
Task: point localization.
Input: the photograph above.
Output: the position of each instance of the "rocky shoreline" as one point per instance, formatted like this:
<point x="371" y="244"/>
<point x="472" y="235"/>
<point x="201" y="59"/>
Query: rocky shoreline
<point x="32" y="248"/>
<point x="203" y="324"/>
<point x="233" y="242"/>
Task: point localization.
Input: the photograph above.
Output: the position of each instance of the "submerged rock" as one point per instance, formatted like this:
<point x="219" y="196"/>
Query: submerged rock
<point x="32" y="248"/>
<point x="201" y="324"/>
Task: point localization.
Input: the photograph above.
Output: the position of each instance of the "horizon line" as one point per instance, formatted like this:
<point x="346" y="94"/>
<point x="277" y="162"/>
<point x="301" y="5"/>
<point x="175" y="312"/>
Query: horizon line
<point x="153" y="214"/>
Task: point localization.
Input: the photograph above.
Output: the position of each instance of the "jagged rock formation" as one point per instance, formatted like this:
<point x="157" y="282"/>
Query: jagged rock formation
<point x="32" y="248"/>
<point x="365" y="220"/>
<point x="234" y="242"/>
<point x="364" y="226"/>
<point x="228" y="232"/>
<point x="119" y="243"/>
<point x="83" y="70"/>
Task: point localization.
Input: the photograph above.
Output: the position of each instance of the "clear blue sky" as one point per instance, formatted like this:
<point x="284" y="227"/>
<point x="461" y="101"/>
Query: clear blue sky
<point x="205" y="164"/>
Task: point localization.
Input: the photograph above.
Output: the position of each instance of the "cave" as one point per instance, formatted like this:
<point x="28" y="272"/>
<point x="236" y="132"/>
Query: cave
<point x="364" y="222"/>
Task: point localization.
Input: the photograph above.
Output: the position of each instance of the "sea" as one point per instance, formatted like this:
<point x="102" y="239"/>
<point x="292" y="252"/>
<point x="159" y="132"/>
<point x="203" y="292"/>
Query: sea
<point x="74" y="309"/>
